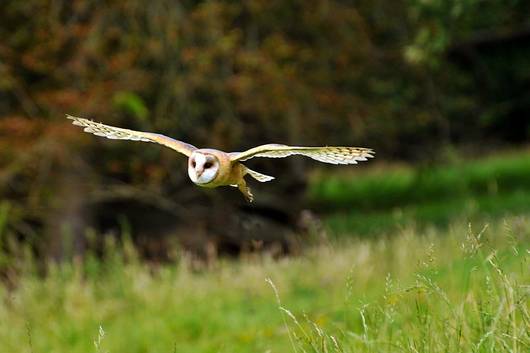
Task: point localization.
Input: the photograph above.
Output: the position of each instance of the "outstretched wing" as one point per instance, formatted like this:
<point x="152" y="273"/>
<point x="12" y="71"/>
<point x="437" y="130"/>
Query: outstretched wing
<point x="333" y="155"/>
<point x="116" y="133"/>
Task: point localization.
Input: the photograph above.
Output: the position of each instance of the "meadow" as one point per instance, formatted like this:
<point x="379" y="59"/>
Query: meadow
<point x="374" y="200"/>
<point x="461" y="285"/>
<point x="464" y="289"/>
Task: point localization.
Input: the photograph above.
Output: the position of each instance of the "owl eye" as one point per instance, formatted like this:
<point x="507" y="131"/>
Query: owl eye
<point x="207" y="165"/>
<point x="193" y="164"/>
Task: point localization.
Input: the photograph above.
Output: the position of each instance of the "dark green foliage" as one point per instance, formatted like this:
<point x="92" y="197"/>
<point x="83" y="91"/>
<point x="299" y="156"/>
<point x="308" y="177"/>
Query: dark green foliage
<point x="407" y="78"/>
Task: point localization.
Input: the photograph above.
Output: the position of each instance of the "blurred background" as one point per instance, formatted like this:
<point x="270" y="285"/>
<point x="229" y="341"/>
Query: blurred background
<point x="107" y="246"/>
<point x="440" y="89"/>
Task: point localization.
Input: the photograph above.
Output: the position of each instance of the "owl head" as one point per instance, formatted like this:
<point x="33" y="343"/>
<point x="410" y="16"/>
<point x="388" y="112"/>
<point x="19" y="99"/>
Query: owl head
<point x="202" y="167"/>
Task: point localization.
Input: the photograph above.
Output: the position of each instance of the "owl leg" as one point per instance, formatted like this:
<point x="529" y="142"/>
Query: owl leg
<point x="242" y="186"/>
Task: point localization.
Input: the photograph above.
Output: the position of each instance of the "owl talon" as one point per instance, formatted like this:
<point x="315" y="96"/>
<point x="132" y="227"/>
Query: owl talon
<point x="246" y="191"/>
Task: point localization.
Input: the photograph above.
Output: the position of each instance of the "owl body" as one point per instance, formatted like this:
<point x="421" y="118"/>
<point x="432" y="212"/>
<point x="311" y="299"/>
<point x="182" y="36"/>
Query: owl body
<point x="210" y="168"/>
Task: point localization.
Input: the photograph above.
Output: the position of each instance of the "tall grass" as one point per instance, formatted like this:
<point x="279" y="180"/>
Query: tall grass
<point x="464" y="289"/>
<point x="489" y="313"/>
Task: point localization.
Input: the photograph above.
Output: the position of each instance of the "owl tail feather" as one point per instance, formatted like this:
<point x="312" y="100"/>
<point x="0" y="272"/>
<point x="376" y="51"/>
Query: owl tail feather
<point x="258" y="176"/>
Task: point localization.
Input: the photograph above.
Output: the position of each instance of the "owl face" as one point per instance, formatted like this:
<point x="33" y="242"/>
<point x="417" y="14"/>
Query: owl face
<point x="202" y="167"/>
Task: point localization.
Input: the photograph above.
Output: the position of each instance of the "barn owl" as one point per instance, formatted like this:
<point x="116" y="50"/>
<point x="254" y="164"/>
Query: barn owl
<point x="211" y="168"/>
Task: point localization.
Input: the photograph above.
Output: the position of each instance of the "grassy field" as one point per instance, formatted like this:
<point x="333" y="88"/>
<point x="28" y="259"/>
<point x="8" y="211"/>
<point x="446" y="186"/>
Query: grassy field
<point x="462" y="289"/>
<point x="384" y="199"/>
<point x="424" y="260"/>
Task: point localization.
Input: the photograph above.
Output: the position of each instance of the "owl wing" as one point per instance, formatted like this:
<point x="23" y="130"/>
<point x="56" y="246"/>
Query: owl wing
<point x="116" y="133"/>
<point x="333" y="155"/>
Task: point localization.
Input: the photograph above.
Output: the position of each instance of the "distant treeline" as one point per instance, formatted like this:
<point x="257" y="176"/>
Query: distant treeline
<point x="392" y="74"/>
<point x="404" y="77"/>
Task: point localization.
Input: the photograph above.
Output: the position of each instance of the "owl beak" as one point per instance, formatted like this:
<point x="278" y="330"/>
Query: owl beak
<point x="199" y="172"/>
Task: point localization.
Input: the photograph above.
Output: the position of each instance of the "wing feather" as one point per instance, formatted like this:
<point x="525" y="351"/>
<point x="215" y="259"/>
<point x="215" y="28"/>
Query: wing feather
<point x="116" y="133"/>
<point x="328" y="154"/>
